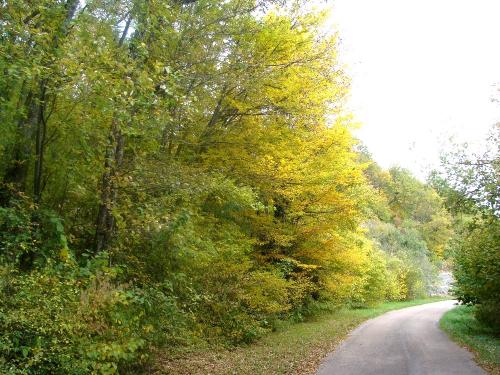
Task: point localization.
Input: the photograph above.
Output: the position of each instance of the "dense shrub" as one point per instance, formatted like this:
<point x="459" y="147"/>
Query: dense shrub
<point x="397" y="285"/>
<point x="477" y="269"/>
<point x="76" y="321"/>
<point x="414" y="271"/>
<point x="28" y="236"/>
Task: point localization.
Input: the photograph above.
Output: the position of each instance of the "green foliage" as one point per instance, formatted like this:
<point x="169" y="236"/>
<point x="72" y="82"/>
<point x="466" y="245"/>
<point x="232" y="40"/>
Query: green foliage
<point x="471" y="181"/>
<point x="409" y="223"/>
<point x="31" y="237"/>
<point x="289" y="350"/>
<point x="482" y="339"/>
<point x="477" y="269"/>
<point x="374" y="287"/>
<point x="415" y="272"/>
<point x="18" y="235"/>
<point x="184" y="171"/>
<point x="470" y="184"/>
<point x="78" y="321"/>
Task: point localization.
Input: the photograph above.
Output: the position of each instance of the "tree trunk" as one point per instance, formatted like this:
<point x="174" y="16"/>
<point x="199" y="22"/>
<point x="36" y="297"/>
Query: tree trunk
<point x="105" y="225"/>
<point x="41" y="128"/>
<point x="17" y="172"/>
<point x="34" y="125"/>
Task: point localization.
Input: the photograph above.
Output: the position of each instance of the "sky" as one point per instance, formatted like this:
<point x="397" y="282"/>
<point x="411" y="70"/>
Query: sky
<point x="422" y="71"/>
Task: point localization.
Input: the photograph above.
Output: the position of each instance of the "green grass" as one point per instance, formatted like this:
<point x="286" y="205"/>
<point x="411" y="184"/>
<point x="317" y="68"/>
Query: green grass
<point x="461" y="326"/>
<point x="294" y="349"/>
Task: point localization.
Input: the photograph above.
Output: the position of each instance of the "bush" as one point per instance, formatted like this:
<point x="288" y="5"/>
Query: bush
<point x="77" y="321"/>
<point x="374" y="283"/>
<point x="397" y="288"/>
<point x="29" y="237"/>
<point x="477" y="269"/>
<point x="414" y="272"/>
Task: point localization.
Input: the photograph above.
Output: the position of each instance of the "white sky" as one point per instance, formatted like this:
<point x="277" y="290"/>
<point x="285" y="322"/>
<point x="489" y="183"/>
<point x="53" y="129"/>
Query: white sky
<point x="422" y="71"/>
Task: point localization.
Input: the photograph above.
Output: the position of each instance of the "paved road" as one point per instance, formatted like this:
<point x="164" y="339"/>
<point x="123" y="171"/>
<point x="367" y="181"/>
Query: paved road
<point x="402" y="342"/>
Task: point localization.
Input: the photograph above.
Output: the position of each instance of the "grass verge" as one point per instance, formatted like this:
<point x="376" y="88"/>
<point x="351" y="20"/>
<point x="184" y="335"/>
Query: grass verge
<point x="295" y="349"/>
<point x="461" y="325"/>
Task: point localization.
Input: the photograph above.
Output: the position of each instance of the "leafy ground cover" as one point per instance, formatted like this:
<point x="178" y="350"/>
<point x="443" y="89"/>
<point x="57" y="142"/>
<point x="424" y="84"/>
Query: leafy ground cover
<point x="292" y="349"/>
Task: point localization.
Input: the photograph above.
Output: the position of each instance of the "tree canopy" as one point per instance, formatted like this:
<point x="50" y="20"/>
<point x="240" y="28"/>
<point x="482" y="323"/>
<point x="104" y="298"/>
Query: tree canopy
<point x="177" y="171"/>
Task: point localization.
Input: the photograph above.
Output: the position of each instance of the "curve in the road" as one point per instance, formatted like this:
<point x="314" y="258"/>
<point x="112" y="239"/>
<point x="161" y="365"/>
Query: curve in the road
<point x="401" y="342"/>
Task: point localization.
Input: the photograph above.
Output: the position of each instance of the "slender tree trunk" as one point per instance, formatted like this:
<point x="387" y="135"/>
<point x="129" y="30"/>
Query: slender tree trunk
<point x="34" y="125"/>
<point x="17" y="172"/>
<point x="205" y="135"/>
<point x="41" y="125"/>
<point x="105" y="225"/>
<point x="41" y="128"/>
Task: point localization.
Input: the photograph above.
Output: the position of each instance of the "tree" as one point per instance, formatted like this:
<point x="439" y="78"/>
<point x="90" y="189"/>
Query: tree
<point x="474" y="177"/>
<point x="470" y="182"/>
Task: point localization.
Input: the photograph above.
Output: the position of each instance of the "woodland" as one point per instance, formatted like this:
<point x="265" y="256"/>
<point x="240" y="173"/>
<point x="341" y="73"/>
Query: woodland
<point x="181" y="172"/>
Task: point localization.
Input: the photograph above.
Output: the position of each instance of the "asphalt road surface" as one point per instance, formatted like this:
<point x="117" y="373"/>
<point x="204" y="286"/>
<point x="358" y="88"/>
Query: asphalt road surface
<point x="402" y="342"/>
